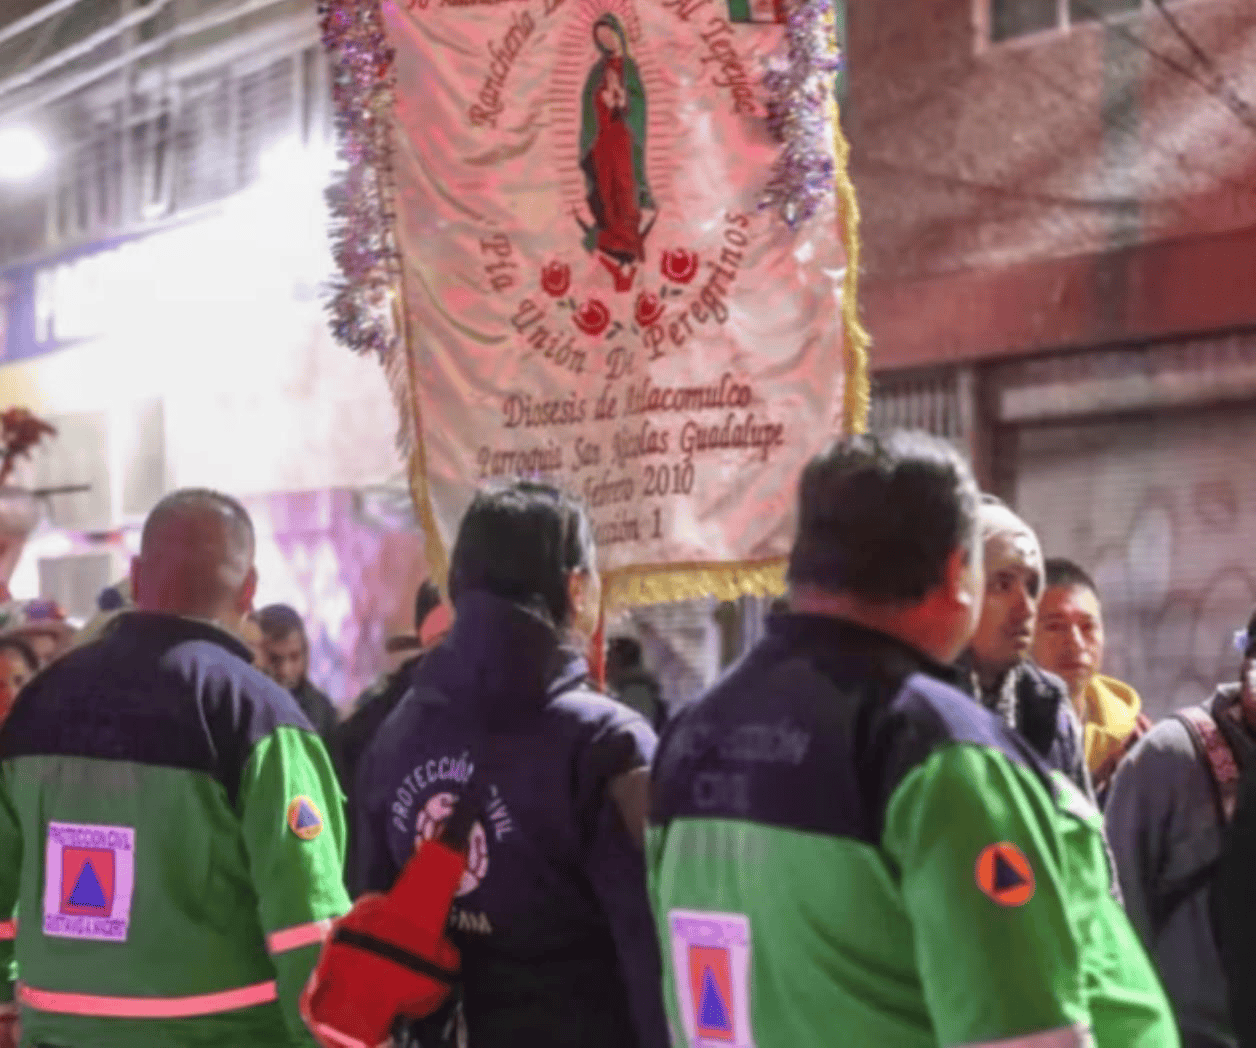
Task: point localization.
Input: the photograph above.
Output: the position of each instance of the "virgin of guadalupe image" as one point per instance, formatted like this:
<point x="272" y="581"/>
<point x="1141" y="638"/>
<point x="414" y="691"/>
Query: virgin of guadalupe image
<point x="612" y="156"/>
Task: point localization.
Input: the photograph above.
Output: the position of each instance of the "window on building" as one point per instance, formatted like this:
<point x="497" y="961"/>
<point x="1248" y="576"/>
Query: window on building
<point x="1010" y="19"/>
<point x="148" y="147"/>
<point x="192" y="143"/>
<point x="1092" y="10"/>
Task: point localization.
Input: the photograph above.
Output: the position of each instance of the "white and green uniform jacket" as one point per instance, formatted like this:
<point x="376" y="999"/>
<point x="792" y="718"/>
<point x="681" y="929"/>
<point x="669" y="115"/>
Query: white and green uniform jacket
<point x="846" y="850"/>
<point x="171" y="846"/>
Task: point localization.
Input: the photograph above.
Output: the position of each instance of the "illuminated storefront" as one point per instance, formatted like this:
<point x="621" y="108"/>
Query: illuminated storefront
<point x="199" y="355"/>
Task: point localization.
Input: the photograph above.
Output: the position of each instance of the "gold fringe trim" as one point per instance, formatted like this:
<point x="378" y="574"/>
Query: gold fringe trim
<point x="399" y="371"/>
<point x="632" y="587"/>
<point x="420" y="490"/>
<point x="857" y="395"/>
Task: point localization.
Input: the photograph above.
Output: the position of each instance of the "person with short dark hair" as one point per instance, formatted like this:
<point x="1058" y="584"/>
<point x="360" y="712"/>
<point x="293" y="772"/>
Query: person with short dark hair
<point x="844" y="847"/>
<point x="431" y="623"/>
<point x="1168" y="809"/>
<point x="251" y="633"/>
<point x="286" y="660"/>
<point x="558" y="946"/>
<point x="170" y="824"/>
<point x="1069" y="641"/>
<point x="1060" y="571"/>
<point x="1002" y="676"/>
<point x="628" y="679"/>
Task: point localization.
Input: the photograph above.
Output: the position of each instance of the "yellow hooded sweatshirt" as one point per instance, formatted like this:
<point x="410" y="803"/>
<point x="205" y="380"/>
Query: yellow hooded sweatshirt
<point x="1109" y="712"/>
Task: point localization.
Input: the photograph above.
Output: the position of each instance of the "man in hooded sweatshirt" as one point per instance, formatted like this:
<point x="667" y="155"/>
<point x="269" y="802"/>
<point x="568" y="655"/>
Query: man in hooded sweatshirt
<point x="1069" y="642"/>
<point x="551" y="917"/>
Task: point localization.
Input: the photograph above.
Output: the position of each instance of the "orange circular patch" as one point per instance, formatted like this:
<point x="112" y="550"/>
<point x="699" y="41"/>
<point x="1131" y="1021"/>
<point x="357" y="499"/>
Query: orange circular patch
<point x="304" y="818"/>
<point x="1004" y="874"/>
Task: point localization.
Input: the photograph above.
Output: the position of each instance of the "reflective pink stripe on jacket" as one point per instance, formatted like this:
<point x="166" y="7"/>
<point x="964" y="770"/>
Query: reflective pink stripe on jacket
<point x="146" y="1007"/>
<point x="8" y="930"/>
<point x="297" y="936"/>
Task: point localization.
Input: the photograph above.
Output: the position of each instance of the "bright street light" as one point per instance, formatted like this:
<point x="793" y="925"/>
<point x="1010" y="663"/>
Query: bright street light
<point x="23" y="154"/>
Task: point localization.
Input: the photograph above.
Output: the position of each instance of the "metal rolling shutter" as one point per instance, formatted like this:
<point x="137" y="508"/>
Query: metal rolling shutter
<point x="1161" y="508"/>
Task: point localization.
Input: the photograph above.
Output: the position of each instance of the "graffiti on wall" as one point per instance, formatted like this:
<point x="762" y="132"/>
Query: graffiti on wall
<point x="1162" y="511"/>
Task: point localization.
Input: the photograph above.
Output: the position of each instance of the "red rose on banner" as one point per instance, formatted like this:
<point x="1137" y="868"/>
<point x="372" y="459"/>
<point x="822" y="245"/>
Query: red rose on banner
<point x="592" y="318"/>
<point x="679" y="266"/>
<point x="556" y="278"/>
<point x="649" y="309"/>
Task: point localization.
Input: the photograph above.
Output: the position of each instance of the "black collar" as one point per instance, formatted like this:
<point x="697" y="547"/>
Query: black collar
<point x="502" y="653"/>
<point x="829" y="631"/>
<point x="176" y="629"/>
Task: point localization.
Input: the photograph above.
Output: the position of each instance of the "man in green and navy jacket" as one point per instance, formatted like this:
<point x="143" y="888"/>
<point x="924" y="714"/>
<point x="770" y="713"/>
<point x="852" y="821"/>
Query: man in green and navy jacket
<point x="844" y="848"/>
<point x="171" y="829"/>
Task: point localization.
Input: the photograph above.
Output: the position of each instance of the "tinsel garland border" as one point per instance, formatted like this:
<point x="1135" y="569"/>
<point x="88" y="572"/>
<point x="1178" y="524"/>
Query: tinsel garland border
<point x="368" y="313"/>
<point x="366" y="300"/>
<point x="800" y="86"/>
<point x="361" y="198"/>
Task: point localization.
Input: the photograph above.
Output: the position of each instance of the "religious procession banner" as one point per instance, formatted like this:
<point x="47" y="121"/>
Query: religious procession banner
<point x="608" y="244"/>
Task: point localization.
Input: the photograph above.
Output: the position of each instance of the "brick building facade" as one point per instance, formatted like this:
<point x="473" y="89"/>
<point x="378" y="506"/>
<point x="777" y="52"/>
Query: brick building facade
<point x="1059" y="217"/>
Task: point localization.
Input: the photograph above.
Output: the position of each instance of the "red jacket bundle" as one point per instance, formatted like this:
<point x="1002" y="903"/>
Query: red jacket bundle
<point x="389" y="956"/>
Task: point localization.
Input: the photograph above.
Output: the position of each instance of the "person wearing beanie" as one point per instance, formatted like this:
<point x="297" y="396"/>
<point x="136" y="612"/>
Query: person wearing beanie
<point x="1001" y="675"/>
<point x="846" y="849"/>
<point x="1232" y="905"/>
<point x="42" y="624"/>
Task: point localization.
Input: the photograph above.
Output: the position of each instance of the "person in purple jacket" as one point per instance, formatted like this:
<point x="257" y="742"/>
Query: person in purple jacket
<point x="552" y="919"/>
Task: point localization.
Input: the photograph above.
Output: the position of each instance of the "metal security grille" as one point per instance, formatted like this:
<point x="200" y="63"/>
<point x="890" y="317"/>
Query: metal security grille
<point x="154" y="108"/>
<point x="1162" y="513"/>
<point x="202" y="143"/>
<point x="931" y="401"/>
<point x="1136" y="462"/>
<point x="267" y="113"/>
<point x="203" y="153"/>
<point x="682" y="644"/>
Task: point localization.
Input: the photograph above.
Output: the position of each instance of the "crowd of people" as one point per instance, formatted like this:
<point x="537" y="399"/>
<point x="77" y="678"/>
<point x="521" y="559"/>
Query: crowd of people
<point x="915" y="813"/>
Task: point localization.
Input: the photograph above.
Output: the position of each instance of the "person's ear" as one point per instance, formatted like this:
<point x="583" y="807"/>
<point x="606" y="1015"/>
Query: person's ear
<point x="964" y="578"/>
<point x="135" y="581"/>
<point x="584" y="598"/>
<point x="248" y="590"/>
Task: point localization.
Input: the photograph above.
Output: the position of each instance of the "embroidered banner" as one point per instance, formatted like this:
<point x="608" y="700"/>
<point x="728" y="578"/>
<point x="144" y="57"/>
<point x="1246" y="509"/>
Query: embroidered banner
<point x="621" y="231"/>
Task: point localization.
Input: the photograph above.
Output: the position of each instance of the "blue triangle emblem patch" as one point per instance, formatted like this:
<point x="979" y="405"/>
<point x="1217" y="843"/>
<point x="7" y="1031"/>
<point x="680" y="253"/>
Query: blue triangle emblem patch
<point x="87" y="889"/>
<point x="1005" y="876"/>
<point x="304" y="818"/>
<point x="712" y="1008"/>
